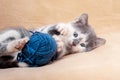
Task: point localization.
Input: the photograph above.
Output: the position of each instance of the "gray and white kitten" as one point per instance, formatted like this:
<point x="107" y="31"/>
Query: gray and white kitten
<point x="72" y="37"/>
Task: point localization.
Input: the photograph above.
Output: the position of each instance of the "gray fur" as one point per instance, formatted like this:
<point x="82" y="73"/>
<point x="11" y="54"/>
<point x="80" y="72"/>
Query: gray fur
<point x="23" y="32"/>
<point x="9" y="39"/>
<point x="3" y="49"/>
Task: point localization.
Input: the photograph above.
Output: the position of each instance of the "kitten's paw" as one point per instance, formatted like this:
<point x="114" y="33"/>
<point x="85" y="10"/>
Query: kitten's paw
<point x="61" y="27"/>
<point x="59" y="43"/>
<point x="21" y="43"/>
<point x="17" y="45"/>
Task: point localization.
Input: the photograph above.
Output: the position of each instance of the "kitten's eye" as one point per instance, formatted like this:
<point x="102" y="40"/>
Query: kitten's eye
<point x="75" y="34"/>
<point x="82" y="45"/>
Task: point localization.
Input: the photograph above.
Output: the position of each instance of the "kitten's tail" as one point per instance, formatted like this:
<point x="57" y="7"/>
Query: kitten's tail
<point x="9" y="62"/>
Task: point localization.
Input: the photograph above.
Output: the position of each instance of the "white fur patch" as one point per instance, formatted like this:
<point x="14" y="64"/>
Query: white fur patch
<point x="22" y="64"/>
<point x="11" y="33"/>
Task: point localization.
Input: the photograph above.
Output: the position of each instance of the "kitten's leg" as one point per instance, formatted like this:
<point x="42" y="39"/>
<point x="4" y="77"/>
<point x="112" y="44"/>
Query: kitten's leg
<point x="17" y="45"/>
<point x="59" y="43"/>
<point x="61" y="50"/>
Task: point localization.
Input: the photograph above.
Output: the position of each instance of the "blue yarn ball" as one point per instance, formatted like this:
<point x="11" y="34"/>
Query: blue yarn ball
<point x="39" y="50"/>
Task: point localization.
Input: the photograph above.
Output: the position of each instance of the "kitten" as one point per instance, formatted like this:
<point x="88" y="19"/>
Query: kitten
<point x="72" y="37"/>
<point x="76" y="36"/>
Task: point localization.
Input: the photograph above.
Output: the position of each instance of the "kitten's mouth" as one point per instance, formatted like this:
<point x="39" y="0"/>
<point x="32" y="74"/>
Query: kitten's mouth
<point x="70" y="44"/>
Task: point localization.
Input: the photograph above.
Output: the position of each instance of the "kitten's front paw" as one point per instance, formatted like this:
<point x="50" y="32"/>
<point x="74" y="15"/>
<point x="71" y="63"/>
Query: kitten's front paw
<point x="61" y="27"/>
<point x="59" y="43"/>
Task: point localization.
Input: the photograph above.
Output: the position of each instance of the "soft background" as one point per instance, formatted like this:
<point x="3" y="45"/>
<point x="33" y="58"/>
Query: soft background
<point x="102" y="63"/>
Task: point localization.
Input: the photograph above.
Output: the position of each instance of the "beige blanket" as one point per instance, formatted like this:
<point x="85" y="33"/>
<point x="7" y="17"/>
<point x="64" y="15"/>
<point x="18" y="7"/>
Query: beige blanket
<point x="102" y="63"/>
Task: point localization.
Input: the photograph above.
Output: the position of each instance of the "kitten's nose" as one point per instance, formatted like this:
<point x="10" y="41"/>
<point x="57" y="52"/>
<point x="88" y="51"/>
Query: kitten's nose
<point x="76" y="41"/>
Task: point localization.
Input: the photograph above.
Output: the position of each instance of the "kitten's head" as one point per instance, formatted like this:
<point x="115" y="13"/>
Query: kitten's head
<point x="82" y="37"/>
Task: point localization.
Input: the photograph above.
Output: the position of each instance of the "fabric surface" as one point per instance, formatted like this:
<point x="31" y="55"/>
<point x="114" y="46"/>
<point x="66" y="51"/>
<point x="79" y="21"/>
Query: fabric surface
<point x="39" y="50"/>
<point x="102" y="63"/>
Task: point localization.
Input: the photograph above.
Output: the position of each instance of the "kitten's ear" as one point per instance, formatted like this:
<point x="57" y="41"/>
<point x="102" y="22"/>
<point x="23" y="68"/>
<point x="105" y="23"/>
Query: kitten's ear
<point x="83" y="19"/>
<point x="100" y="42"/>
